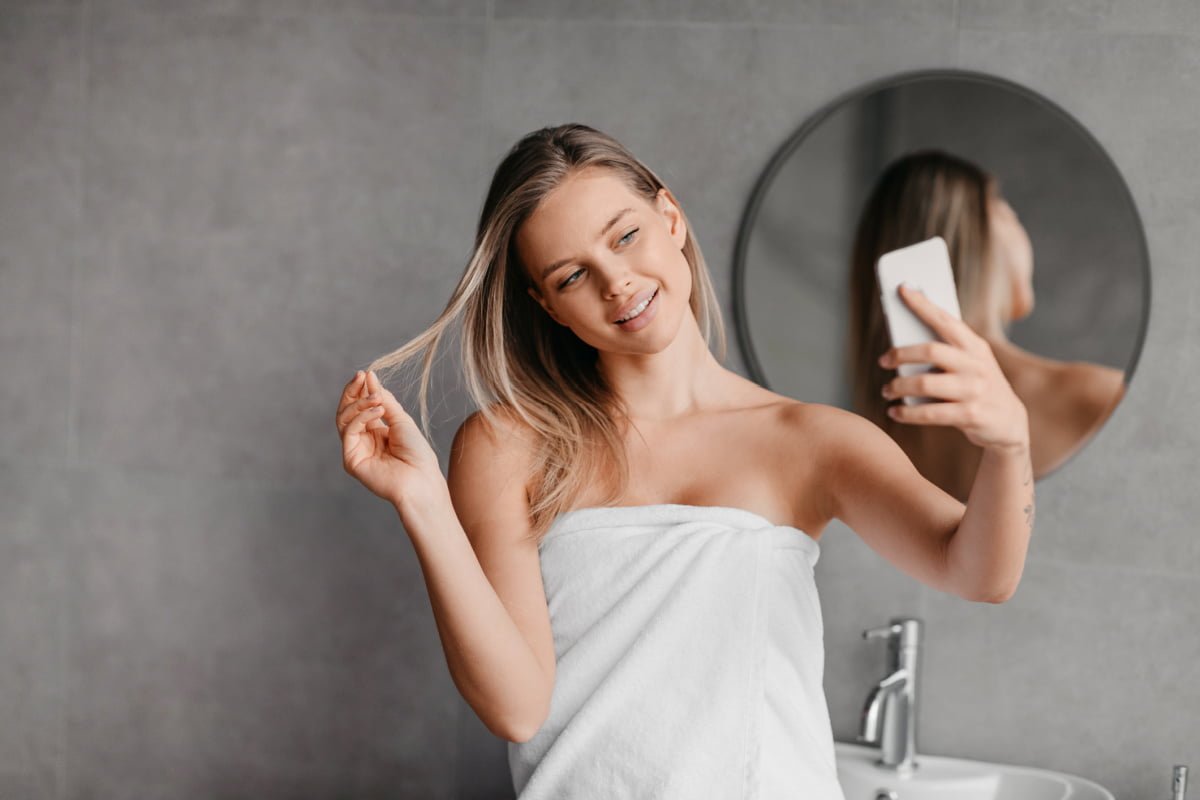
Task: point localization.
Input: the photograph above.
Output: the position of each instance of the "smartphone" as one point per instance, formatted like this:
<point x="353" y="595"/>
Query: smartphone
<point x="924" y="266"/>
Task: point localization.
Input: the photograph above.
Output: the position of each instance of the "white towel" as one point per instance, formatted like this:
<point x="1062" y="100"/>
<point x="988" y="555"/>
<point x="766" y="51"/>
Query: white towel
<point x="690" y="660"/>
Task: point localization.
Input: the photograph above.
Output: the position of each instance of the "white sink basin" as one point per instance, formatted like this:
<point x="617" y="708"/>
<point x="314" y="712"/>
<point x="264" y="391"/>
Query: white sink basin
<point x="946" y="778"/>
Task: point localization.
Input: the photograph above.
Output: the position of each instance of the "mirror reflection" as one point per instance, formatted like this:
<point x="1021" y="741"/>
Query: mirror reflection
<point x="1046" y="247"/>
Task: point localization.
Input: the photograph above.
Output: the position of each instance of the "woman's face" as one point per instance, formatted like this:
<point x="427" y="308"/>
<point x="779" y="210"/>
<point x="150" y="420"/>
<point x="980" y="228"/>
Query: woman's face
<point x="1014" y="252"/>
<point x="595" y="250"/>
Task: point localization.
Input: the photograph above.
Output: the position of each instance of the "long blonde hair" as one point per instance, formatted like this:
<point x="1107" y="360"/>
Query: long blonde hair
<point x="923" y="194"/>
<point x="515" y="357"/>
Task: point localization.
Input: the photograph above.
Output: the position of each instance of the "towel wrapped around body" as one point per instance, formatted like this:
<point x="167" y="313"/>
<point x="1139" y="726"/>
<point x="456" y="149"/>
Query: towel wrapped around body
<point x="690" y="659"/>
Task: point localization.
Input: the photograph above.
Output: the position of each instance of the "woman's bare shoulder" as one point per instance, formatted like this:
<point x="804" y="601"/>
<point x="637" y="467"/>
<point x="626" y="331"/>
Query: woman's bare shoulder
<point x="499" y="442"/>
<point x="817" y="420"/>
<point x="833" y="439"/>
<point x="832" y="456"/>
<point x="821" y="431"/>
<point x="1073" y="398"/>
<point x="1095" y="386"/>
<point x="501" y="425"/>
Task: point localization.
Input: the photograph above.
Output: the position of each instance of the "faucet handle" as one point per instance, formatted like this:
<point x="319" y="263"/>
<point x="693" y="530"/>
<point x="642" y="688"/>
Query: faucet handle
<point x="884" y="632"/>
<point x="904" y="632"/>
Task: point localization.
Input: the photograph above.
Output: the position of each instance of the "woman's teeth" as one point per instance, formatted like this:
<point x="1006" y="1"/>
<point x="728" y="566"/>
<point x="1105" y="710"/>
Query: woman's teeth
<point x="641" y="307"/>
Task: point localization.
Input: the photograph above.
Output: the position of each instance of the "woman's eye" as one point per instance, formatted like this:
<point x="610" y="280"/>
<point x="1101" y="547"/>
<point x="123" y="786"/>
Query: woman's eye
<point x="571" y="278"/>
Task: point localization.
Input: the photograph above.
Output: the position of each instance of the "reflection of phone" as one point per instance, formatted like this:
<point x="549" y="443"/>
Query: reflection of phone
<point x="924" y="266"/>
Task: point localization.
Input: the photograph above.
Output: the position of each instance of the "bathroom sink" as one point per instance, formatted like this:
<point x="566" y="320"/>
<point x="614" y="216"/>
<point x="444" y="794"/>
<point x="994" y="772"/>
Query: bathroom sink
<point x="944" y="777"/>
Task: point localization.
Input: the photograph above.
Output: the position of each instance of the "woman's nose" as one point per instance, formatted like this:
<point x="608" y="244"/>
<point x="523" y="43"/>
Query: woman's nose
<point x="617" y="279"/>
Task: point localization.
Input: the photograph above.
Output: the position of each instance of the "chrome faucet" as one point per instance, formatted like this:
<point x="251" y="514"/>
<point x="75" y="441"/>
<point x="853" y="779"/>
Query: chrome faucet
<point x="895" y="697"/>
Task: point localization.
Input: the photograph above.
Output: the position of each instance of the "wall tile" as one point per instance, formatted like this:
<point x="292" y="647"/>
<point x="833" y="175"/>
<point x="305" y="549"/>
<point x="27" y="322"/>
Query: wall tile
<point x="41" y="94"/>
<point x="33" y="586"/>
<point x="228" y="637"/>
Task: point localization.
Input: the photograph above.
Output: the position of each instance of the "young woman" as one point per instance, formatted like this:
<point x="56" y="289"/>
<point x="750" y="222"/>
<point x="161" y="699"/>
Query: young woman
<point x="928" y="193"/>
<point x="619" y="561"/>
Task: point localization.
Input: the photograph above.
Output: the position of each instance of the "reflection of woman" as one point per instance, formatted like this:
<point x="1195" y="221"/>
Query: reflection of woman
<point x="622" y="507"/>
<point x="930" y="193"/>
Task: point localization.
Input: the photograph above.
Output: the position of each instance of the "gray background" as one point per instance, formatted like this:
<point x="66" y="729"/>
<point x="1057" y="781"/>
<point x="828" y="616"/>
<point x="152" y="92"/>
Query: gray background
<point x="212" y="213"/>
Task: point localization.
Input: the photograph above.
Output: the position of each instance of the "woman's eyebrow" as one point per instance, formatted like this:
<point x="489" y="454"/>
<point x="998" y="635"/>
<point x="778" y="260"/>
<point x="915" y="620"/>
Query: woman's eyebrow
<point x="616" y="218"/>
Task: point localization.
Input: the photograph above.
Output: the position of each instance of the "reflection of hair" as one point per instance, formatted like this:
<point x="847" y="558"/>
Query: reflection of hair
<point x="515" y="355"/>
<point x="923" y="194"/>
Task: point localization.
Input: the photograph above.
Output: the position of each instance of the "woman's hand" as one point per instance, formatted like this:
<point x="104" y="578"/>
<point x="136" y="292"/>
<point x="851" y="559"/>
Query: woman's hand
<point x="382" y="445"/>
<point x="978" y="398"/>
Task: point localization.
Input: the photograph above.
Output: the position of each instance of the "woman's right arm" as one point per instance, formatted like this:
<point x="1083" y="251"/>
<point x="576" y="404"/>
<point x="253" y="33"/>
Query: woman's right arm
<point x="484" y="580"/>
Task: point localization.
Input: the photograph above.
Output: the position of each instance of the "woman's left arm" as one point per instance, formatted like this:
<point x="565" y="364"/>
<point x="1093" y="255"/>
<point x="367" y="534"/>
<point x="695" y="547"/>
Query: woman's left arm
<point x="989" y="546"/>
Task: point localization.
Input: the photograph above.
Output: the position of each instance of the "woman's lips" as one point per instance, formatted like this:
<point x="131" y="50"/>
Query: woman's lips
<point x="643" y="319"/>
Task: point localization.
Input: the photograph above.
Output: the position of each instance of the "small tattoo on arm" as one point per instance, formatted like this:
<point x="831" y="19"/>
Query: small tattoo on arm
<point x="1028" y="479"/>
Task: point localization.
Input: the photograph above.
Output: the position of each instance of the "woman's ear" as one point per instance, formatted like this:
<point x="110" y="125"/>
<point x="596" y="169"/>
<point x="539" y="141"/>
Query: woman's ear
<point x="670" y="211"/>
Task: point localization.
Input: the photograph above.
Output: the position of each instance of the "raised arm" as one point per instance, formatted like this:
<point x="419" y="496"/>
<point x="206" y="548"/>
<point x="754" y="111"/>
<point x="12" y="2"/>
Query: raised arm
<point x="977" y="551"/>
<point x="874" y="488"/>
<point x="974" y="551"/>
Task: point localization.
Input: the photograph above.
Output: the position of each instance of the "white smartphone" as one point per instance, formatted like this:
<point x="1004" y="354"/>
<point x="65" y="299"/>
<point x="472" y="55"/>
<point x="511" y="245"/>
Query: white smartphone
<point x="924" y="266"/>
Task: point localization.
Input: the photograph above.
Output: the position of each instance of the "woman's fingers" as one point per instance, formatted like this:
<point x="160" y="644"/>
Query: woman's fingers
<point x="940" y="354"/>
<point x="363" y="392"/>
<point x="355" y="394"/>
<point x="353" y="408"/>
<point x="938" y="385"/>
<point x="394" y="413"/>
<point x="373" y="386"/>
<point x="373" y="383"/>
<point x="356" y="428"/>
<point x="930" y="414"/>
<point x="405" y="439"/>
<point x="350" y="393"/>
<point x="944" y="324"/>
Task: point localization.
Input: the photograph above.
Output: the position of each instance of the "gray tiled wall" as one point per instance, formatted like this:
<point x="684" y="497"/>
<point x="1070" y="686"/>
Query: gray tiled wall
<point x="212" y="212"/>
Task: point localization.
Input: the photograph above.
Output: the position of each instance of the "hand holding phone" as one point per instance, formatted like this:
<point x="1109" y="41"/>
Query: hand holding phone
<point x="924" y="266"/>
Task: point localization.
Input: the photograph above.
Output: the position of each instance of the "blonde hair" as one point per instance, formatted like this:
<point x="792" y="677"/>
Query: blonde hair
<point x="515" y="358"/>
<point x="923" y="194"/>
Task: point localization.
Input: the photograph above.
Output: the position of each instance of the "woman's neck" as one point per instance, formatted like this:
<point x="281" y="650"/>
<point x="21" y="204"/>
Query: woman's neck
<point x="682" y="378"/>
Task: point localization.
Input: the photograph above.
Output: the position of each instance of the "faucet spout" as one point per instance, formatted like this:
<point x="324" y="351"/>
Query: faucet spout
<point x="873" y="710"/>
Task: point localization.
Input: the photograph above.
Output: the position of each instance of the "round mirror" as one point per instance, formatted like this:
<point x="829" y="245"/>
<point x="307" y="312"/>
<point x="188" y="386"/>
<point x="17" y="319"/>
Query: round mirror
<point x="1047" y="249"/>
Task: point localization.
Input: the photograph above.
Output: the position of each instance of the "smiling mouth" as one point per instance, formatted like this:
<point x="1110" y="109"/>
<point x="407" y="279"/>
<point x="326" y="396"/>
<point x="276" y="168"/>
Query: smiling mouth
<point x="649" y="300"/>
